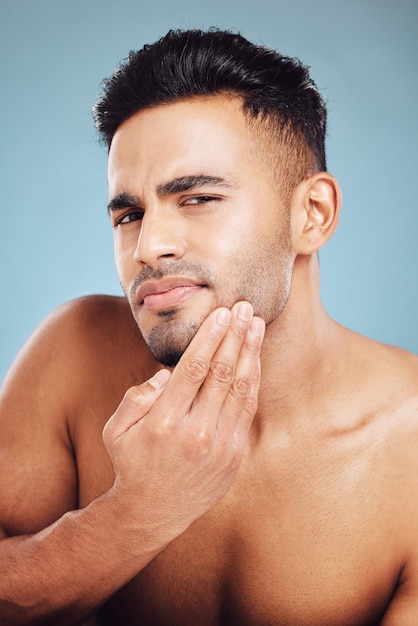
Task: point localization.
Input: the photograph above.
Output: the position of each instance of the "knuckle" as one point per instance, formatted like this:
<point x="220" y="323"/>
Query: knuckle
<point x="195" y="370"/>
<point x="222" y="372"/>
<point x="202" y="442"/>
<point x="240" y="388"/>
<point x="163" y="430"/>
<point x="135" y="395"/>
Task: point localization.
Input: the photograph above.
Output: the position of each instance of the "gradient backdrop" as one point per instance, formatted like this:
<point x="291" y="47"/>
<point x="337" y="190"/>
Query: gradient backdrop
<point x="56" y="242"/>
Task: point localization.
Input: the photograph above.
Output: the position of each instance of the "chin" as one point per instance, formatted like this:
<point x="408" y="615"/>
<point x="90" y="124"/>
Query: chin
<point x="168" y="341"/>
<point x="168" y="359"/>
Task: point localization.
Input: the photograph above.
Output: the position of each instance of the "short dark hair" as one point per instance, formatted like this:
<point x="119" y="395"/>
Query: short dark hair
<point x="188" y="63"/>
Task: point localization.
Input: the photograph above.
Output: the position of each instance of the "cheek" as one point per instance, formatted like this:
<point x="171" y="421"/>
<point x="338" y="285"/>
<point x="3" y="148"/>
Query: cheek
<point x="231" y="234"/>
<point x="124" y="259"/>
<point x="259" y="270"/>
<point x="229" y="249"/>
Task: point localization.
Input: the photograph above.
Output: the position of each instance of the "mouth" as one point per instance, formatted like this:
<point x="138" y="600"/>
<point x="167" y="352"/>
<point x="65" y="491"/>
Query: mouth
<point x="166" y="293"/>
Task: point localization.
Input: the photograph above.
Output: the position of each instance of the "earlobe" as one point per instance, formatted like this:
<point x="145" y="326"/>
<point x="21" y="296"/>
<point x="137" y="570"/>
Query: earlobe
<point x="315" y="211"/>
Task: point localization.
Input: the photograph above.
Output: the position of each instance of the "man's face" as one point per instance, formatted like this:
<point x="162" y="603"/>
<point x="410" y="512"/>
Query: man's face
<point x="198" y="220"/>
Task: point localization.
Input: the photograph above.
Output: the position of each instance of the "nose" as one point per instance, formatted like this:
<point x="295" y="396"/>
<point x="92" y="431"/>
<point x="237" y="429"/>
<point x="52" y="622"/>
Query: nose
<point x="160" y="237"/>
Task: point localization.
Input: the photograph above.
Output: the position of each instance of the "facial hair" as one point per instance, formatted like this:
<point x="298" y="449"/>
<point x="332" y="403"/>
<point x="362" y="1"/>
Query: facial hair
<point x="168" y="340"/>
<point x="263" y="278"/>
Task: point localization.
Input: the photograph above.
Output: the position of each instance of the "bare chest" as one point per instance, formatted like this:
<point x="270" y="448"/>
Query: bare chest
<point x="309" y="542"/>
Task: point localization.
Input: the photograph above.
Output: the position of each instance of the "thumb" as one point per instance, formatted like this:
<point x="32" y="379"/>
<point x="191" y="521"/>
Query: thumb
<point x="136" y="404"/>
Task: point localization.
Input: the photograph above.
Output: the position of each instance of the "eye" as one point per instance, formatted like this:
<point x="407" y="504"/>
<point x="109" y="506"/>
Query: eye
<point x="199" y="200"/>
<point x="127" y="218"/>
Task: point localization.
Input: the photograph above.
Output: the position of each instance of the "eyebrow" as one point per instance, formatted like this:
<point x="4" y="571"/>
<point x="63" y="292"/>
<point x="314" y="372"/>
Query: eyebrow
<point x="177" y="185"/>
<point x="187" y="183"/>
<point x="122" y="201"/>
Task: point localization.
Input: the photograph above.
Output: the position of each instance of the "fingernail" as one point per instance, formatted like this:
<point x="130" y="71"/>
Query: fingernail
<point x="244" y="311"/>
<point x="223" y="316"/>
<point x="159" y="379"/>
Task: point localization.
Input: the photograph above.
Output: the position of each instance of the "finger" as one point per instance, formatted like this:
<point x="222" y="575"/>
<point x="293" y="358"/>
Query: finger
<point x="193" y="367"/>
<point x="222" y="371"/>
<point x="237" y="400"/>
<point x="240" y="405"/>
<point x="135" y="405"/>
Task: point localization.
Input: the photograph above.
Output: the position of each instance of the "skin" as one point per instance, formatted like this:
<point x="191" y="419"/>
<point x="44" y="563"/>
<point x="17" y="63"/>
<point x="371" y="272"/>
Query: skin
<point x="212" y="495"/>
<point x="158" y="234"/>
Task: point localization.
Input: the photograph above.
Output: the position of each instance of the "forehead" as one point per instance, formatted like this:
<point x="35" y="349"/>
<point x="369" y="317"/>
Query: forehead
<point x="208" y="135"/>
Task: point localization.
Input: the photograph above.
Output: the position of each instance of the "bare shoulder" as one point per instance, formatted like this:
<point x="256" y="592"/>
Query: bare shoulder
<point x="400" y="364"/>
<point x="387" y="378"/>
<point x="397" y="375"/>
<point x="380" y="395"/>
<point x="387" y="374"/>
<point x="97" y="322"/>
<point x="74" y="368"/>
<point x="78" y="335"/>
<point x="397" y="381"/>
<point x="379" y="409"/>
<point x="88" y="320"/>
<point x="393" y="375"/>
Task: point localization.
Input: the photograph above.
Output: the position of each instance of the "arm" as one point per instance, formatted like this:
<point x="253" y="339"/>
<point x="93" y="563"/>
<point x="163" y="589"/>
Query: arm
<point x="195" y="421"/>
<point x="402" y="470"/>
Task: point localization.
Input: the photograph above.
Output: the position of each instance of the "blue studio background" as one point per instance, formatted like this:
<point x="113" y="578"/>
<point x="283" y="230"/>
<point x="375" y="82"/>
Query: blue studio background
<point x="56" y="241"/>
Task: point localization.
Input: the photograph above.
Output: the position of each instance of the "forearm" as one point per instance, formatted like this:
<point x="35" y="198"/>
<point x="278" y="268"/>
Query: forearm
<point x="65" y="572"/>
<point x="176" y="443"/>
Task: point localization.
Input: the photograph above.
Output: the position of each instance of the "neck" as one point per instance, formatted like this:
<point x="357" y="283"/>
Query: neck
<point x="299" y="353"/>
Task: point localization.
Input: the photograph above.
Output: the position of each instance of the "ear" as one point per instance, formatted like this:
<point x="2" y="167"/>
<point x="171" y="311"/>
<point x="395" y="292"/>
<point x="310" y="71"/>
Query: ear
<point x="315" y="210"/>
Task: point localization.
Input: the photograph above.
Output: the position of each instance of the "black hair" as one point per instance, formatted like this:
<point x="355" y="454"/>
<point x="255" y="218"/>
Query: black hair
<point x="188" y="63"/>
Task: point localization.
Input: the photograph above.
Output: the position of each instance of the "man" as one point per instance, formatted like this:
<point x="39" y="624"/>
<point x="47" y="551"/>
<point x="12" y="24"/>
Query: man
<point x="237" y="481"/>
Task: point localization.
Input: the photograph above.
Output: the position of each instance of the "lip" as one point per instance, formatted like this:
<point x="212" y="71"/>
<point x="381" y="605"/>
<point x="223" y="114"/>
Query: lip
<point x="167" y="292"/>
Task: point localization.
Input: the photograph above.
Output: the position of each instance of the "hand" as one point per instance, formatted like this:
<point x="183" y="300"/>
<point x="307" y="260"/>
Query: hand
<point x="176" y="441"/>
